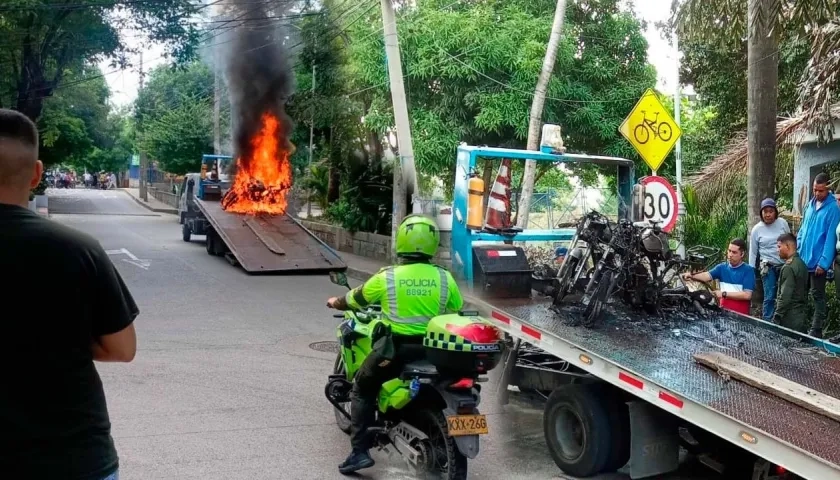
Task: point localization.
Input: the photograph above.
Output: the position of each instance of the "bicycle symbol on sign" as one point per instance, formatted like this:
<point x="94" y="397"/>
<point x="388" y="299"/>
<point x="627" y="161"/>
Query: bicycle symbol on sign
<point x="661" y="130"/>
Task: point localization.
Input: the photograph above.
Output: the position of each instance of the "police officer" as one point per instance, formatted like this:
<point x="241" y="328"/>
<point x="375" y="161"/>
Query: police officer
<point x="410" y="294"/>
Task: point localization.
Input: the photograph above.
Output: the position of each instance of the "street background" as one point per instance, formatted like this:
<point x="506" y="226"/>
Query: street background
<point x="228" y="382"/>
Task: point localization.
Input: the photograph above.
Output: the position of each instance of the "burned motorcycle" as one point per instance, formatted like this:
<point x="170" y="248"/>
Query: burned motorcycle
<point x="631" y="262"/>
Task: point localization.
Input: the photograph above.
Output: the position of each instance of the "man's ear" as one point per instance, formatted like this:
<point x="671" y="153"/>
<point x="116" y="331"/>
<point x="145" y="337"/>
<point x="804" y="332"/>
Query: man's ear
<point x="36" y="174"/>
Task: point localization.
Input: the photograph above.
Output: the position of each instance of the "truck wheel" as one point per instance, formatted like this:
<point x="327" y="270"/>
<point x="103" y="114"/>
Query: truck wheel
<point x="577" y="430"/>
<point x="208" y="243"/>
<point x="186" y="233"/>
<point x="619" y="416"/>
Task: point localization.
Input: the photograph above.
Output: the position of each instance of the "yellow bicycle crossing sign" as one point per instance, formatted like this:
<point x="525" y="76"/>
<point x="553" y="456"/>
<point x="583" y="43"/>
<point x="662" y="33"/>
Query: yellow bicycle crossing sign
<point x="651" y="130"/>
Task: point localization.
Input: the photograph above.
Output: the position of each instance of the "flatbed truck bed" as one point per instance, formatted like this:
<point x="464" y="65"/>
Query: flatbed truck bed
<point x="651" y="359"/>
<point x="268" y="243"/>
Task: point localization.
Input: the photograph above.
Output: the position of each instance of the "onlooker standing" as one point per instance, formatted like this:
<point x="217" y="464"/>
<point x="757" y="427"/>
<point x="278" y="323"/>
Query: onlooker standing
<point x="764" y="254"/>
<point x="817" y="239"/>
<point x="53" y="416"/>
<point x="737" y="278"/>
<point x="792" y="302"/>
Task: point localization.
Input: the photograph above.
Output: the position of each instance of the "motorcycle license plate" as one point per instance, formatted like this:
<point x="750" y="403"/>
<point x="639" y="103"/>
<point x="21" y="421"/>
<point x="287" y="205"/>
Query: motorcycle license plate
<point x="460" y="425"/>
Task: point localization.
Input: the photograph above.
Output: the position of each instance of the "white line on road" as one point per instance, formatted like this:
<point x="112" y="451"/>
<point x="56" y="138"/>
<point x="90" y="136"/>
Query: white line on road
<point x="132" y="259"/>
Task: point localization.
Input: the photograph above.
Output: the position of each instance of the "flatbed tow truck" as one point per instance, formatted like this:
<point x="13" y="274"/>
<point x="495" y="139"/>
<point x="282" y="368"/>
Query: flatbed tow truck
<point x="261" y="243"/>
<point x="629" y="389"/>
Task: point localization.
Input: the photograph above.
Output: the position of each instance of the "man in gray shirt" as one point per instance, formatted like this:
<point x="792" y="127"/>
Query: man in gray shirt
<point x="764" y="254"/>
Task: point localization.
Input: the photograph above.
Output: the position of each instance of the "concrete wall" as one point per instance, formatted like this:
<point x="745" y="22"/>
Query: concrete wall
<point x="164" y="196"/>
<point x="365" y="244"/>
<point x="809" y="160"/>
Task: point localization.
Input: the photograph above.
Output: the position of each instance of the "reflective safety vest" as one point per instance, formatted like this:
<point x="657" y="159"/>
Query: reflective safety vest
<point x="410" y="295"/>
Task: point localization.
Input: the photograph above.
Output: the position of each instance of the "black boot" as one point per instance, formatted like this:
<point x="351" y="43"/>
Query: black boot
<point x="816" y="333"/>
<point x="355" y="462"/>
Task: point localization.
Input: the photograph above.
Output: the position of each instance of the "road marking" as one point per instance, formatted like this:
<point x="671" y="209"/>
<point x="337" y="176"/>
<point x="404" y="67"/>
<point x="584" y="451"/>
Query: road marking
<point x="132" y="259"/>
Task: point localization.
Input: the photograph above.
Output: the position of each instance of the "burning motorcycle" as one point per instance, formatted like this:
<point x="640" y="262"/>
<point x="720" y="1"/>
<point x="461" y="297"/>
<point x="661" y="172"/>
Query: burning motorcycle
<point x="429" y="414"/>
<point x="633" y="262"/>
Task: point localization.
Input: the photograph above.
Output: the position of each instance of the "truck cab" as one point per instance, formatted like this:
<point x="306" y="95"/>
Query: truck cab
<point x="210" y="184"/>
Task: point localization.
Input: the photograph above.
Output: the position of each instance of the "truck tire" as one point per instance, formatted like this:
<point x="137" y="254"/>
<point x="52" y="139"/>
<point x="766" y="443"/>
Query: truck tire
<point x="619" y="414"/>
<point x="209" y="242"/>
<point x="577" y="430"/>
<point x="186" y="233"/>
<point x="215" y="245"/>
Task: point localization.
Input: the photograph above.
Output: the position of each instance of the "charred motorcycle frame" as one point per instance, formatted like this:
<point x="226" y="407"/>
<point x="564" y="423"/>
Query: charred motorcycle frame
<point x="632" y="262"/>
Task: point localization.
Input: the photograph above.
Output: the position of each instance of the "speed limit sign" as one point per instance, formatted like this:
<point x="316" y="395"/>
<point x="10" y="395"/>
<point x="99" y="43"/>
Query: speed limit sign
<point x="660" y="202"/>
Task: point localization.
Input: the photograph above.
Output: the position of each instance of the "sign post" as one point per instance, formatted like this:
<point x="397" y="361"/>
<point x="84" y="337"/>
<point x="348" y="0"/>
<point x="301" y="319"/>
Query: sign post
<point x="651" y="130"/>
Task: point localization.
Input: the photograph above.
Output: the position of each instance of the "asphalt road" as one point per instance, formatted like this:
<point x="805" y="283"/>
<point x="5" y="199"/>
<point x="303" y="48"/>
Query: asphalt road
<point x="226" y="384"/>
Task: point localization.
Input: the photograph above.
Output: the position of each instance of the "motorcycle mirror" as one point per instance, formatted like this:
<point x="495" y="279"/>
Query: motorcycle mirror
<point x="339" y="278"/>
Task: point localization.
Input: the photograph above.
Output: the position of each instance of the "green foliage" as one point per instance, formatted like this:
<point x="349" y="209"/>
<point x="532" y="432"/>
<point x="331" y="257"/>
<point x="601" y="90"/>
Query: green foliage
<point x="719" y="75"/>
<point x="365" y="200"/>
<point x="317" y="182"/>
<point x="41" y="41"/>
<point x="471" y="71"/>
<point x="175" y="111"/>
<point x="75" y="119"/>
<point x="712" y="225"/>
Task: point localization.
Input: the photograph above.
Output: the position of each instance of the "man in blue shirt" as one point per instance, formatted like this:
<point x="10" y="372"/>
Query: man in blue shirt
<point x="816" y="240"/>
<point x="736" y="277"/>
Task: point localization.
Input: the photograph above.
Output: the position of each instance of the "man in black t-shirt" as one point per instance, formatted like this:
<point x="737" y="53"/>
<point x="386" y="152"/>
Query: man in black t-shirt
<point x="64" y="306"/>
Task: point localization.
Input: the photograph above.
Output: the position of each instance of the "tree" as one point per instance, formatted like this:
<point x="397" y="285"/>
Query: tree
<point x="42" y="38"/>
<point x="764" y="21"/>
<point x="535" y="118"/>
<point x="471" y="70"/>
<point x="75" y="120"/>
<point x="175" y="111"/>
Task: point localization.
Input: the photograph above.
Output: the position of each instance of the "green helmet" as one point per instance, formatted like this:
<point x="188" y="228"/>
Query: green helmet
<point x="417" y="236"/>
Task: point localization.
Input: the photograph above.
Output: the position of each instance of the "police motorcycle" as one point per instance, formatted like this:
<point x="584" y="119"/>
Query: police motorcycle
<point x="428" y="416"/>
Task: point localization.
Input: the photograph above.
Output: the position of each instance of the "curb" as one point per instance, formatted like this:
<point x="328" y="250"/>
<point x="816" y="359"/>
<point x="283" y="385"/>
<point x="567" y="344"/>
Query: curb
<point x="143" y="204"/>
<point x="358" y="273"/>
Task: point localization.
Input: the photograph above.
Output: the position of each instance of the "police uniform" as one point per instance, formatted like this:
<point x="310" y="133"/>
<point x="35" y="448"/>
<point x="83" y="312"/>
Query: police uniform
<point x="410" y="295"/>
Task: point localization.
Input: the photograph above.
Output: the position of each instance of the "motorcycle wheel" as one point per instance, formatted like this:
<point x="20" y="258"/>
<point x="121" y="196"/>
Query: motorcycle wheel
<point x="441" y="457"/>
<point x="340" y="420"/>
<point x="596" y="304"/>
<point x="564" y="283"/>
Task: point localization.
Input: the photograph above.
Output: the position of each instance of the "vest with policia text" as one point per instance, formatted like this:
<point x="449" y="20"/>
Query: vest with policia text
<point x="410" y="295"/>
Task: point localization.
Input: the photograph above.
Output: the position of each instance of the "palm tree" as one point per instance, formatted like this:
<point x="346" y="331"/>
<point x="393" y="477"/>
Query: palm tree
<point x="763" y="22"/>
<point x="317" y="183"/>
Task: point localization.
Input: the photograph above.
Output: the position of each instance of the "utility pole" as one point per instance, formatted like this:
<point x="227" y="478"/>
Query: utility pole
<point x="144" y="163"/>
<point x="311" y="146"/>
<point x="405" y="181"/>
<point x="678" y="147"/>
<point x="217" y="105"/>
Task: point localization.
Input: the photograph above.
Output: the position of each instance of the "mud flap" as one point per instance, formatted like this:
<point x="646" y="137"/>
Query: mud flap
<point x="655" y="441"/>
<point x="467" y="444"/>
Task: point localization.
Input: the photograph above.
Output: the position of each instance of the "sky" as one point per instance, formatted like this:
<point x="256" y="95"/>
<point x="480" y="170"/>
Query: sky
<point x="661" y="55"/>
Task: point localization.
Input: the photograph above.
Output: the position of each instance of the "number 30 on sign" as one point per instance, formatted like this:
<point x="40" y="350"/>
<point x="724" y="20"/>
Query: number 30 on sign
<point x="660" y="202"/>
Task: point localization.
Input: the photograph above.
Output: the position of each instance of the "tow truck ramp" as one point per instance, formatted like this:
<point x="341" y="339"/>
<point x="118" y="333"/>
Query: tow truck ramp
<point x="270" y="243"/>
<point x="656" y="364"/>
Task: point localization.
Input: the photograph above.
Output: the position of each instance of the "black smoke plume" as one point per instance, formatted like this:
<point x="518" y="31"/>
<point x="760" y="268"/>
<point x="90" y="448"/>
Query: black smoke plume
<point x="258" y="73"/>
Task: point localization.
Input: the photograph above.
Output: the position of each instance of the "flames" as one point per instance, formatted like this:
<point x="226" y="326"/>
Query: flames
<point x="261" y="181"/>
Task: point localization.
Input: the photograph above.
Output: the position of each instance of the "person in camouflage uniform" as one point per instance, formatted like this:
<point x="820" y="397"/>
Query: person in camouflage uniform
<point x="791" y="302"/>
